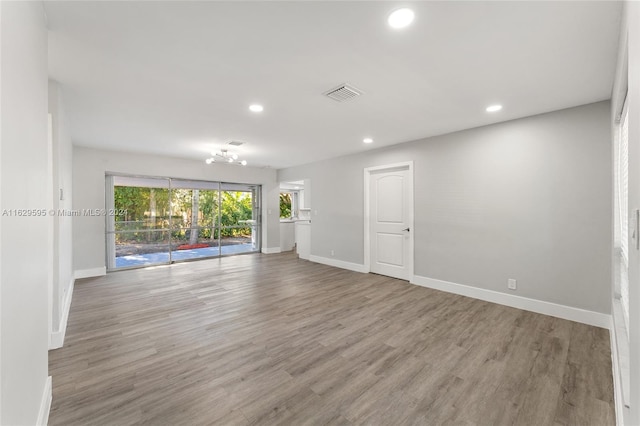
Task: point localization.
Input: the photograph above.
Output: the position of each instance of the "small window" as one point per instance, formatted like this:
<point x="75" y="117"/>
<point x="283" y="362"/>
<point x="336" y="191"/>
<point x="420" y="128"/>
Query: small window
<point x="289" y="204"/>
<point x="285" y="205"/>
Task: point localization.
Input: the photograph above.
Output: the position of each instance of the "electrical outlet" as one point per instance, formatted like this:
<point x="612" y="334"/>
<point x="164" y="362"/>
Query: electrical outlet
<point x="332" y="253"/>
<point x="512" y="284"/>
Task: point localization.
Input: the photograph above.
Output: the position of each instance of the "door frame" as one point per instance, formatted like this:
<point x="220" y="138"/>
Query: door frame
<point x="367" y="212"/>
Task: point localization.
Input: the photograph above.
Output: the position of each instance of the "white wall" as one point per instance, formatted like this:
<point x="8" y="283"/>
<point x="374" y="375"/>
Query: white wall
<point x="631" y="37"/>
<point x="62" y="231"/>
<point x="90" y="166"/>
<point x="528" y="199"/>
<point x="24" y="389"/>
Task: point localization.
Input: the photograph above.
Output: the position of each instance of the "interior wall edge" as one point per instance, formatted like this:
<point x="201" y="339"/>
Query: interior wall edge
<point x="57" y="336"/>
<point x="615" y="371"/>
<point x="45" y="403"/>
<point x="271" y="250"/>
<point x="351" y="266"/>
<point x="90" y="273"/>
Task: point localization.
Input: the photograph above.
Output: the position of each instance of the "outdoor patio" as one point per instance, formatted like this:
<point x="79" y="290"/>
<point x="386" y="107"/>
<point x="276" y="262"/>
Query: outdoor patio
<point x="144" y="259"/>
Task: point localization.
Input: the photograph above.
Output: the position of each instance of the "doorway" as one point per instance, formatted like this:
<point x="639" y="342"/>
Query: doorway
<point x="388" y="231"/>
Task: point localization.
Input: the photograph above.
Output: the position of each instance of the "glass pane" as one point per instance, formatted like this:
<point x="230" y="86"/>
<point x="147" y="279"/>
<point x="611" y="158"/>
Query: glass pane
<point x="141" y="208"/>
<point x="141" y="248"/>
<point x="198" y="236"/>
<point x="193" y="208"/>
<point x="239" y="239"/>
<point x="208" y="208"/>
<point x="237" y="209"/>
<point x="286" y="210"/>
<point x="204" y="244"/>
<point x="152" y="223"/>
<point x="140" y="239"/>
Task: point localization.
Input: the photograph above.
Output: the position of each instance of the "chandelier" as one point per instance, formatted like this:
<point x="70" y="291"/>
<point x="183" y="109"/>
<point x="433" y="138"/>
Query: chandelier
<point x="224" y="156"/>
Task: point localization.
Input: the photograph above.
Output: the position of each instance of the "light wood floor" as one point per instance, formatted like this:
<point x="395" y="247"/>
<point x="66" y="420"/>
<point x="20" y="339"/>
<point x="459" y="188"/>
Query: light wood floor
<point x="270" y="339"/>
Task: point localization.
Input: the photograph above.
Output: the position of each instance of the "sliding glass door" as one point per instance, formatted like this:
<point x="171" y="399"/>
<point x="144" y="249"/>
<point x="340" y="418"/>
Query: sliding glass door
<point x="167" y="220"/>
<point x="239" y="218"/>
<point x="194" y="233"/>
<point x="140" y="233"/>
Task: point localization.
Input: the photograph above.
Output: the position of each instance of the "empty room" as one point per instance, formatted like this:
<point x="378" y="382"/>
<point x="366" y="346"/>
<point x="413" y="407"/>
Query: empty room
<point x="319" y="213"/>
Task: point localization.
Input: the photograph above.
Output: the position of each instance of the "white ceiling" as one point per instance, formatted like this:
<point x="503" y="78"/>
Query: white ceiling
<point x="176" y="78"/>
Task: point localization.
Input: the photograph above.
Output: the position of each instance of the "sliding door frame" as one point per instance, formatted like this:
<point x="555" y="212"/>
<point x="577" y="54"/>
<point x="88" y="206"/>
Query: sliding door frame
<point x="110" y="231"/>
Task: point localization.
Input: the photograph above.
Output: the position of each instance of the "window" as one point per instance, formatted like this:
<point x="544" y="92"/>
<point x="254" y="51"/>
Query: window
<point x="289" y="204"/>
<point x="285" y="205"/>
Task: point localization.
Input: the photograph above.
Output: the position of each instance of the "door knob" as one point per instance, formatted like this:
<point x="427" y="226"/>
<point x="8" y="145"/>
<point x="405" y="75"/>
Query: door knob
<point x="406" y="229"/>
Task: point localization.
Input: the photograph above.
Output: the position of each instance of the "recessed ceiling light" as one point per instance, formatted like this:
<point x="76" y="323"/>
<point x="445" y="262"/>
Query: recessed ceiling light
<point x="494" y="108"/>
<point x="256" y="108"/>
<point x="401" y="18"/>
<point x="367" y="140"/>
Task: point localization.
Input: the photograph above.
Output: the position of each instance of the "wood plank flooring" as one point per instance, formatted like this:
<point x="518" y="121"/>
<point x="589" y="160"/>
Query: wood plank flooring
<point x="271" y="339"/>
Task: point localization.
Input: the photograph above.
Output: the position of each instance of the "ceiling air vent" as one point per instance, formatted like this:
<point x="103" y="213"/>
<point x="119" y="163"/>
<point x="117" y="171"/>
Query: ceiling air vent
<point x="343" y="93"/>
<point x="235" y="143"/>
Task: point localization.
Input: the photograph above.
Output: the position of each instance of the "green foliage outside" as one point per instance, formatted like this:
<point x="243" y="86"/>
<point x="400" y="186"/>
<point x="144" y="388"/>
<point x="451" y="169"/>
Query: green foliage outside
<point x="149" y="209"/>
<point x="285" y="205"/>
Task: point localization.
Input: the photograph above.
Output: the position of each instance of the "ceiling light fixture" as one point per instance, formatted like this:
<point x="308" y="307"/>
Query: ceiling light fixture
<point x="494" y="108"/>
<point x="225" y="156"/>
<point x="400" y="18"/>
<point x="367" y="140"/>
<point x="256" y="108"/>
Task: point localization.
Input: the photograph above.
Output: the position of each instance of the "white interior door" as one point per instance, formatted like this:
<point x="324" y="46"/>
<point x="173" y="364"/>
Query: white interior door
<point x="390" y="221"/>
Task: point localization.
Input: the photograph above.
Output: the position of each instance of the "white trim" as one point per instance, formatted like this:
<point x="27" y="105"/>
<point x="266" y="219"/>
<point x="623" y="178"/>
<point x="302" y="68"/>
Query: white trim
<point x="546" y="308"/>
<point x="51" y="243"/>
<point x="356" y="267"/>
<point x="615" y="370"/>
<point x="45" y="404"/>
<point x="271" y="250"/>
<point x="367" y="219"/>
<point x="620" y="362"/>
<point x="88" y="273"/>
<point x="57" y="336"/>
<point x="367" y="214"/>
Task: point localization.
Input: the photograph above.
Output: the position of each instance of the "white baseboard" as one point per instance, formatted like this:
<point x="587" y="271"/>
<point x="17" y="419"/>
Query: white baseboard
<point x="45" y="404"/>
<point x="57" y="336"/>
<point x="271" y="250"/>
<point x="546" y="308"/>
<point x="356" y="267"/>
<point x="88" y="273"/>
